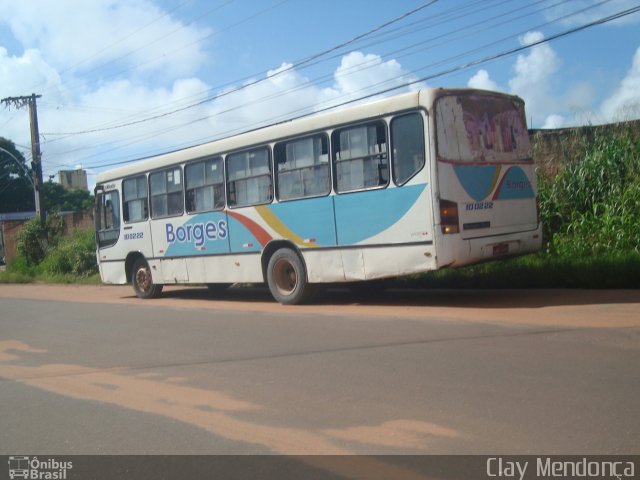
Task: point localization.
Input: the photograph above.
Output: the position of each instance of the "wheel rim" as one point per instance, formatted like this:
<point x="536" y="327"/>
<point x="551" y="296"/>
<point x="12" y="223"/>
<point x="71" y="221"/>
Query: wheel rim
<point x="143" y="279"/>
<point x="285" y="277"/>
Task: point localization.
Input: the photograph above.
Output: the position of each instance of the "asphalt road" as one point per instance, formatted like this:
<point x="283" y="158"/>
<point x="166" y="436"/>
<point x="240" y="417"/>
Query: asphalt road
<point x="91" y="370"/>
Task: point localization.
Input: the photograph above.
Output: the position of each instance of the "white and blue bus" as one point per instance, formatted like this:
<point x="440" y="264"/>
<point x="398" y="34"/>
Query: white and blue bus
<point x="417" y="182"/>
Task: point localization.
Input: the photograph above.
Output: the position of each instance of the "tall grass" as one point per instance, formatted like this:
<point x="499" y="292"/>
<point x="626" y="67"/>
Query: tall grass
<point x="592" y="206"/>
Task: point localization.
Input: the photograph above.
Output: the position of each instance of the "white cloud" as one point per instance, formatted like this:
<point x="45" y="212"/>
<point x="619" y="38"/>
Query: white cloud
<point x="15" y="73"/>
<point x="624" y="103"/>
<point x="554" y="121"/>
<point x="286" y="92"/>
<point x="80" y="35"/>
<point x="360" y="74"/>
<point x="533" y="74"/>
<point x="482" y="81"/>
<point x="580" y="12"/>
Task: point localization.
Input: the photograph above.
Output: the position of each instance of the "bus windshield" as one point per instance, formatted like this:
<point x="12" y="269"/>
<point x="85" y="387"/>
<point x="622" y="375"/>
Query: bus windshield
<point x="481" y="128"/>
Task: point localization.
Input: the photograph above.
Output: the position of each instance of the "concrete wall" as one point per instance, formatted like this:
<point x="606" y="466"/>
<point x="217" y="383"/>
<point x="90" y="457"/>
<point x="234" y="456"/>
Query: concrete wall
<point x="10" y="230"/>
<point x="554" y="148"/>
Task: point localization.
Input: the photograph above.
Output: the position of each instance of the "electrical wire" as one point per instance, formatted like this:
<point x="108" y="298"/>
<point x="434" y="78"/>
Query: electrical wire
<point x="249" y="84"/>
<point x="355" y="69"/>
<point x="443" y="73"/>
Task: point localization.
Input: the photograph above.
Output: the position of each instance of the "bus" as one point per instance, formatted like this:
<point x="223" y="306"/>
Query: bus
<point x="416" y="182"/>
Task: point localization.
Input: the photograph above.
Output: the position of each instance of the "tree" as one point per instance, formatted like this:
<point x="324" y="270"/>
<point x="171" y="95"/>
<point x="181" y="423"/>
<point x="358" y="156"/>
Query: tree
<point x="56" y="199"/>
<point x="16" y="189"/>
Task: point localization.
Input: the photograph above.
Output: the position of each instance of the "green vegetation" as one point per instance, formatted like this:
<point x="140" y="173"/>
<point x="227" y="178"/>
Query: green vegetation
<point x="592" y="206"/>
<point x="16" y="191"/>
<point x="55" y="198"/>
<point x="45" y="254"/>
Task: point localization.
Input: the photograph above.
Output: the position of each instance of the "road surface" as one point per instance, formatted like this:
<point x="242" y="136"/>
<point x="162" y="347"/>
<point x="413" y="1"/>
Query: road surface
<point x="94" y="370"/>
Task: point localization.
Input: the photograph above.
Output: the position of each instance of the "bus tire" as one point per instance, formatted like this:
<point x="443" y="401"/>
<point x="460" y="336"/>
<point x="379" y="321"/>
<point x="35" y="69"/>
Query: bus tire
<point x="287" y="278"/>
<point x="142" y="280"/>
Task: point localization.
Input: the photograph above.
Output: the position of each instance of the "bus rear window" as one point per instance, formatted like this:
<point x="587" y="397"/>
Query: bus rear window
<point x="481" y="128"/>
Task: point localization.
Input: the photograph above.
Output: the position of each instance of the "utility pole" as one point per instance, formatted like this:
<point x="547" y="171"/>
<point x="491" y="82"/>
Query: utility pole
<point x="36" y="163"/>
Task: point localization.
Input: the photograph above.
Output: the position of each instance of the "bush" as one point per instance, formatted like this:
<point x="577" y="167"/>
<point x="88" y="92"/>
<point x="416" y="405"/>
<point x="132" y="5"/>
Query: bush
<point x="72" y="255"/>
<point x="34" y="240"/>
<point x="19" y="265"/>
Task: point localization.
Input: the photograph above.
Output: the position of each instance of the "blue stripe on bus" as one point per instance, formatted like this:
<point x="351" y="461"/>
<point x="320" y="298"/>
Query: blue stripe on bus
<point x="311" y="218"/>
<point x="362" y="215"/>
<point x="477" y="180"/>
<point x="358" y="216"/>
<point x="514" y="185"/>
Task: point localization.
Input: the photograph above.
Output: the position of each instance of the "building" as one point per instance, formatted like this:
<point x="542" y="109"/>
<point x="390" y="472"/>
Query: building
<point x="73" y="179"/>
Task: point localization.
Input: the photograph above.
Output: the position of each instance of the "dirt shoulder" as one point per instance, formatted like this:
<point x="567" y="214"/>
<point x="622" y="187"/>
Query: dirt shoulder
<point x="569" y="308"/>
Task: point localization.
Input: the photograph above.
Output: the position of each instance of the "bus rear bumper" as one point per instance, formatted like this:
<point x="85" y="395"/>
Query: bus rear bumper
<point x="503" y="246"/>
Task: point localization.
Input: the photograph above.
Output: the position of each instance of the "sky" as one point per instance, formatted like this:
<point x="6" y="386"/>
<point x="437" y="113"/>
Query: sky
<point x="126" y="79"/>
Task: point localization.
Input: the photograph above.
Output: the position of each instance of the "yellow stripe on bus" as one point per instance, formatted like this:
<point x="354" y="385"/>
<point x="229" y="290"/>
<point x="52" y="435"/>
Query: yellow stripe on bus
<point x="280" y="228"/>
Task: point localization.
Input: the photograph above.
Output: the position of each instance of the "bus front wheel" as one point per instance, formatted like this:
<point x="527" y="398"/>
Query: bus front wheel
<point x="142" y="280"/>
<point x="287" y="278"/>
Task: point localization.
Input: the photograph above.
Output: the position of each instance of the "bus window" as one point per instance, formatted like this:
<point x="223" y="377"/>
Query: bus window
<point x="134" y="199"/>
<point x="360" y="155"/>
<point x="302" y="167"/>
<point x="249" y="178"/>
<point x="481" y="128"/>
<point x="108" y="218"/>
<point x="407" y="141"/>
<point x="204" y="184"/>
<point x="166" y="193"/>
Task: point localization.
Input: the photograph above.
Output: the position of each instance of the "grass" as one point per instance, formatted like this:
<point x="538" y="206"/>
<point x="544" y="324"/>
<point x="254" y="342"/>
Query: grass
<point x="19" y="277"/>
<point x="539" y="270"/>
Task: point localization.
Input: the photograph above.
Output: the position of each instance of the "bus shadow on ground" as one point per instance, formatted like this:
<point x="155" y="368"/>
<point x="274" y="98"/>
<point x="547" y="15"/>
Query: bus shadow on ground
<point x="416" y="297"/>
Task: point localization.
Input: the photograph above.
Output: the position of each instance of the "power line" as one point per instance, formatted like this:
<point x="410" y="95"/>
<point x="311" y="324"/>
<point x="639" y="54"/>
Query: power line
<point x="138" y="30"/>
<point x="164" y="55"/>
<point x="120" y="40"/>
<point x="356" y="69"/>
<point x="446" y="72"/>
<point x="249" y="84"/>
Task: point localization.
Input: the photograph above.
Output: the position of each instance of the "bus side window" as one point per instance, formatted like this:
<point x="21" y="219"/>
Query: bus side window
<point x="360" y="156"/>
<point x="407" y="140"/>
<point x="249" y="178"/>
<point x="166" y="193"/>
<point x="136" y="206"/>
<point x="204" y="184"/>
<point x="302" y="167"/>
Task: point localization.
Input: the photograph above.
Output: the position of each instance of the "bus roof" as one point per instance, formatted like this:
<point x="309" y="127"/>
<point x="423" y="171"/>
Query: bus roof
<point x="283" y="130"/>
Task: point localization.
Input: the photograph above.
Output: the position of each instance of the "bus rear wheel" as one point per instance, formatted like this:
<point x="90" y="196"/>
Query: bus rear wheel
<point x="287" y="278"/>
<point x="142" y="280"/>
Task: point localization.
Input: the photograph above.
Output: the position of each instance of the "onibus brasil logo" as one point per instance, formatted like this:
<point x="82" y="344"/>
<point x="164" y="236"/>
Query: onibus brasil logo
<point x="33" y="468"/>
